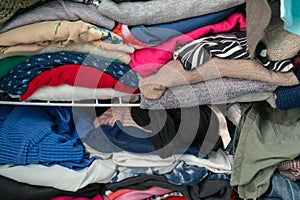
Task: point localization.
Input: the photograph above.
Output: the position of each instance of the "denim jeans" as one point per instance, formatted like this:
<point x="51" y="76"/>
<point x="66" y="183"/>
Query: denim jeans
<point x="282" y="188"/>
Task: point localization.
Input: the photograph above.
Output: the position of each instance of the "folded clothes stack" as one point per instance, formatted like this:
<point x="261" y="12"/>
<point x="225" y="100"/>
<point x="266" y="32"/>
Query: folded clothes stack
<point x="217" y="83"/>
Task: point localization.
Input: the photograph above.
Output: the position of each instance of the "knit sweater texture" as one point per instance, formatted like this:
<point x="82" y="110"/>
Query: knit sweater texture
<point x="9" y="7"/>
<point x="288" y="97"/>
<point x="161" y="11"/>
<point x="59" y="10"/>
<point x="215" y="91"/>
<point x="38" y="135"/>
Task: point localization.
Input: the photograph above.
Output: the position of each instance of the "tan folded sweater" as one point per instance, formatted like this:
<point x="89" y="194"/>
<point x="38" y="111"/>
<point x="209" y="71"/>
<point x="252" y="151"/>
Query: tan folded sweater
<point x="173" y="73"/>
<point x="36" y="36"/>
<point x="82" y="47"/>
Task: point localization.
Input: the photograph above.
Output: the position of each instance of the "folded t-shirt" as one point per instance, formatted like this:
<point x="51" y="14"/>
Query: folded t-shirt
<point x="75" y="75"/>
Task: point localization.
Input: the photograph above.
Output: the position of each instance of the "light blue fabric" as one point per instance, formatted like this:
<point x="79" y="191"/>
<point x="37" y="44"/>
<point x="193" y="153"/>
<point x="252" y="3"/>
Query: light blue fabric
<point x="290" y="14"/>
<point x="282" y="189"/>
<point x="159" y="33"/>
<point x="186" y="175"/>
<point x="182" y="174"/>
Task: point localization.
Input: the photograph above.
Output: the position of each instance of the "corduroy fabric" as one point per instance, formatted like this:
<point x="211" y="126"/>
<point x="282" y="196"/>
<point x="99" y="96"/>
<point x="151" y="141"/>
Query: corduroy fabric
<point x="39" y="135"/>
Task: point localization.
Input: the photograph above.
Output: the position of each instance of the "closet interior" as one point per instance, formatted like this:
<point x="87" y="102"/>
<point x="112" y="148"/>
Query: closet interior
<point x="149" y="99"/>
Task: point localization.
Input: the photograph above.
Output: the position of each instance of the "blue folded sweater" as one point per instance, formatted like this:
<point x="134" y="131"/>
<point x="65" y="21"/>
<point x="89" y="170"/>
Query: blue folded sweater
<point x="38" y="135"/>
<point x="288" y="96"/>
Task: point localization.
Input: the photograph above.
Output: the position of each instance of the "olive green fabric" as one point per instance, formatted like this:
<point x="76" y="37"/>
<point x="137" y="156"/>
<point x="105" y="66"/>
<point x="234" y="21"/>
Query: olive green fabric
<point x="264" y="138"/>
<point x="9" y="7"/>
<point x="6" y="64"/>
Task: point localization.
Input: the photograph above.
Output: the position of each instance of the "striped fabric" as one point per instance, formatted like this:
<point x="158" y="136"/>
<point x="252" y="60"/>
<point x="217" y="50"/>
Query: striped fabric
<point x="289" y="165"/>
<point x="165" y="196"/>
<point x="94" y="2"/>
<point x="262" y="57"/>
<point x="226" y="45"/>
<point x="113" y="114"/>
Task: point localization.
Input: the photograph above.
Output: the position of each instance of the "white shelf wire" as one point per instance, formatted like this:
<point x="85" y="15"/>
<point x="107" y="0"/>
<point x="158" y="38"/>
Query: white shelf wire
<point x="116" y="102"/>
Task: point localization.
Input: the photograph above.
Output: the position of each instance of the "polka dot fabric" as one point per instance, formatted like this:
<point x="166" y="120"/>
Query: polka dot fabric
<point x="16" y="81"/>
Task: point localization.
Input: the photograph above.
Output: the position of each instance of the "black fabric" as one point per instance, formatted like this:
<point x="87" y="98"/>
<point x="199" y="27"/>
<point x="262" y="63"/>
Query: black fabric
<point x="12" y="190"/>
<point x="262" y="57"/>
<point x="145" y="182"/>
<point x="296" y="61"/>
<point x="205" y="190"/>
<point x="231" y="45"/>
<point x="212" y="190"/>
<point x="176" y="129"/>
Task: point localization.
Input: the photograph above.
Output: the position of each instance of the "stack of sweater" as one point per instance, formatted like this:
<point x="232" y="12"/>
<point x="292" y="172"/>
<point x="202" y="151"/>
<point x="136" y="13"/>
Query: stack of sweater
<point x="61" y="49"/>
<point x="211" y="87"/>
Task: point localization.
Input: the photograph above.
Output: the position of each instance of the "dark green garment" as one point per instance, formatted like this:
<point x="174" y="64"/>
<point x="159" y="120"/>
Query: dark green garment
<point x="264" y="138"/>
<point x="6" y="64"/>
<point x="8" y="8"/>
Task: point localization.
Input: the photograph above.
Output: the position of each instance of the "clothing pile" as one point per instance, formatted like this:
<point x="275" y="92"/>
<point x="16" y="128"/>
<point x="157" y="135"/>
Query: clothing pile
<point x="218" y="99"/>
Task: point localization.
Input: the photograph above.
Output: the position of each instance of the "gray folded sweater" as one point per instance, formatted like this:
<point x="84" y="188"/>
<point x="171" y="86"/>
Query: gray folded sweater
<point x="214" y="91"/>
<point x="59" y="10"/>
<point x="162" y="11"/>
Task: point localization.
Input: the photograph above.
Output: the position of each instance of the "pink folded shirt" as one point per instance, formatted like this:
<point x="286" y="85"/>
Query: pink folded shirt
<point x="147" y="61"/>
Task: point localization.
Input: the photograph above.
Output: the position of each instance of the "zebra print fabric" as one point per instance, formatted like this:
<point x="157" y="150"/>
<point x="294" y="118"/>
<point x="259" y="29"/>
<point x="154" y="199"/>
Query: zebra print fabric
<point x="226" y="45"/>
<point x="262" y="57"/>
<point x="95" y="2"/>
